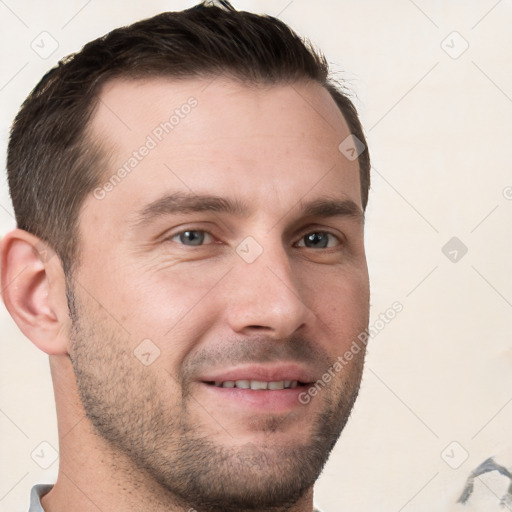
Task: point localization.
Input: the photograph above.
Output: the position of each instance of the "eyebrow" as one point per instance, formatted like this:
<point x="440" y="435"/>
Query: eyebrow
<point x="329" y="207"/>
<point x="180" y="202"/>
<point x="183" y="203"/>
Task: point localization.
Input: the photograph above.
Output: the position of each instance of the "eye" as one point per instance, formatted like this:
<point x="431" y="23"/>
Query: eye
<point x="319" y="240"/>
<point x="192" y="237"/>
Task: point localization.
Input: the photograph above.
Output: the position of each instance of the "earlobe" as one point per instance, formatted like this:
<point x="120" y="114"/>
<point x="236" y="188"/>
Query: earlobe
<point x="34" y="291"/>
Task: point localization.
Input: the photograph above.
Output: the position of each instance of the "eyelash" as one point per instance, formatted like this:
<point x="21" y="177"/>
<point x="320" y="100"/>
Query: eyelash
<point x="170" y="238"/>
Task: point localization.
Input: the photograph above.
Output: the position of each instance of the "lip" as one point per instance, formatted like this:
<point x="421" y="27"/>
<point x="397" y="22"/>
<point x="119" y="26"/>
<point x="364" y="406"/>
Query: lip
<point x="260" y="400"/>
<point x="262" y="373"/>
<point x="257" y="401"/>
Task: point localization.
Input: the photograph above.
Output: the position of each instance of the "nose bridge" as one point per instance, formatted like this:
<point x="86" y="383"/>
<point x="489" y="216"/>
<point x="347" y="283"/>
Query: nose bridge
<point x="264" y="292"/>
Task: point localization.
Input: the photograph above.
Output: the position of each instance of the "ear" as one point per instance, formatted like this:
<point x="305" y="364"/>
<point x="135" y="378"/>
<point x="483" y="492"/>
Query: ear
<point x="34" y="291"/>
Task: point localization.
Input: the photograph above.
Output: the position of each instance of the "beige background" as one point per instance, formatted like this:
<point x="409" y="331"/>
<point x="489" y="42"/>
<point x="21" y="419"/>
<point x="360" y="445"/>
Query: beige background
<point x="439" y="130"/>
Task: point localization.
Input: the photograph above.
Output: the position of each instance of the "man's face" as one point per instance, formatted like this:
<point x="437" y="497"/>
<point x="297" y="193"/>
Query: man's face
<point x="264" y="280"/>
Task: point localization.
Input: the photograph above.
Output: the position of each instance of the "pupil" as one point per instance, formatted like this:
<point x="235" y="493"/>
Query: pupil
<point x="317" y="240"/>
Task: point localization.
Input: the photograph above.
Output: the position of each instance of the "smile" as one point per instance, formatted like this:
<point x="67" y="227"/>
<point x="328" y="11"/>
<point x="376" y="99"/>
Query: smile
<point x="257" y="384"/>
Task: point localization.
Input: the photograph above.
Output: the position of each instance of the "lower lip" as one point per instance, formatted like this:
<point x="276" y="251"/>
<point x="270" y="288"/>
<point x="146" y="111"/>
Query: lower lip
<point x="260" y="399"/>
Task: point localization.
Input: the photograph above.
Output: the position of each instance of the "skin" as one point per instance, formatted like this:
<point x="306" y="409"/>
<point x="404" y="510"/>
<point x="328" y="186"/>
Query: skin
<point x="153" y="437"/>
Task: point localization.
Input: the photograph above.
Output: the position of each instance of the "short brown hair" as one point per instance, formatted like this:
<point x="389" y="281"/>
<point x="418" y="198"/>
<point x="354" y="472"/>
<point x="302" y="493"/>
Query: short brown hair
<point x="53" y="162"/>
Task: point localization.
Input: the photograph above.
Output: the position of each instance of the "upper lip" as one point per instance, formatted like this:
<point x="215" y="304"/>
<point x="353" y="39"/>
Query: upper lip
<point x="262" y="373"/>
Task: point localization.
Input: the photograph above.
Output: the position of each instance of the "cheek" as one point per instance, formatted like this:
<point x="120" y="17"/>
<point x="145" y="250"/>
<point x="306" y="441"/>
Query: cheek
<point x="340" y="299"/>
<point x="170" y="306"/>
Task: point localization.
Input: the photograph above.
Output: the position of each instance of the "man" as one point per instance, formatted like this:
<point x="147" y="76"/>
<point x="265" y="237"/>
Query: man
<point x="189" y="194"/>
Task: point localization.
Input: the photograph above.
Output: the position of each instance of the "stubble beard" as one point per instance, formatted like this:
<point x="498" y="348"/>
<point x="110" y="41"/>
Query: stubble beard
<point x="129" y="406"/>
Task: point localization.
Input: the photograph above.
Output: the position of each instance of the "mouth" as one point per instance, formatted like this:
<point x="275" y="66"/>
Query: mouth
<point x="257" y="397"/>
<point x="258" y="385"/>
<point x="261" y="389"/>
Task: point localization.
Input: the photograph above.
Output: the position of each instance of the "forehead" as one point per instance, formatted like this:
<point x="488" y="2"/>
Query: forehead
<point x="270" y="145"/>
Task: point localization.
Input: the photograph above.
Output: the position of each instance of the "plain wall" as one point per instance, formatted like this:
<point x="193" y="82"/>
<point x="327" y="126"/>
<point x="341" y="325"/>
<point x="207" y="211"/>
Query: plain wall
<point x="439" y="126"/>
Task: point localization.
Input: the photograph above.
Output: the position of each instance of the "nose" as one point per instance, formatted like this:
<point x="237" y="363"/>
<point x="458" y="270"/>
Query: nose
<point x="266" y="296"/>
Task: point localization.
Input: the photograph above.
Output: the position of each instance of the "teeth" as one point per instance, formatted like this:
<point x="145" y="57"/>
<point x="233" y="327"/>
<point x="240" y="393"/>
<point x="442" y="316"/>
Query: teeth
<point x="257" y="384"/>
